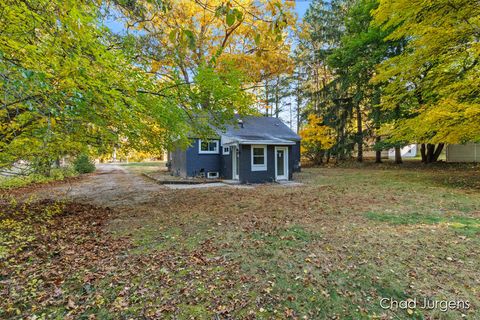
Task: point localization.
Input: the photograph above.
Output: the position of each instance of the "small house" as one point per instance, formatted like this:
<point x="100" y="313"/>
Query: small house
<point x="256" y="149"/>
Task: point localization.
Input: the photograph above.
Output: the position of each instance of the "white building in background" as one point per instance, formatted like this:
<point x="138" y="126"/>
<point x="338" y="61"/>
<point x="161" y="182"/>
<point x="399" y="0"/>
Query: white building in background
<point x="469" y="152"/>
<point x="409" y="151"/>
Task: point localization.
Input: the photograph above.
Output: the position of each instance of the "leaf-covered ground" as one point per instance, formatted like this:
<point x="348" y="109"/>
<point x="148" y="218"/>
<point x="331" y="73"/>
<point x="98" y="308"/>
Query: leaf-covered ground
<point x="121" y="246"/>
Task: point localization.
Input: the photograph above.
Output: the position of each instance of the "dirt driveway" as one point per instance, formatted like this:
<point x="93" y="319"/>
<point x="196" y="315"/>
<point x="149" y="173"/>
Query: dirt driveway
<point x="110" y="186"/>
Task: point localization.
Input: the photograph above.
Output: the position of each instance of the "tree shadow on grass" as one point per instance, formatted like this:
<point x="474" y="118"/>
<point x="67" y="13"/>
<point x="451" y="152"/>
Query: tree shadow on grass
<point x="465" y="225"/>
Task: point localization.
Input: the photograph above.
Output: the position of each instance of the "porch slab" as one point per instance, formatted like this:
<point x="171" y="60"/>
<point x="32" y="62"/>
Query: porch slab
<point x="231" y="182"/>
<point x="195" y="186"/>
<point x="208" y="185"/>
<point x="287" y="183"/>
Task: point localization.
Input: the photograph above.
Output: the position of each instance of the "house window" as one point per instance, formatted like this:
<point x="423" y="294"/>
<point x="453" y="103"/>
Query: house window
<point x="259" y="158"/>
<point x="226" y="150"/>
<point x="208" y="146"/>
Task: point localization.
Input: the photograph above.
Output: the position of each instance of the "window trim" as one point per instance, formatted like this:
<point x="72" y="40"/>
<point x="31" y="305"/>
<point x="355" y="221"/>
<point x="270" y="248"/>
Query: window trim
<point x="223" y="151"/>
<point x="217" y="147"/>
<point x="259" y="167"/>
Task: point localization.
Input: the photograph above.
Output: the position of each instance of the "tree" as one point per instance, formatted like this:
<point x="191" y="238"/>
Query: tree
<point x="321" y="33"/>
<point x="361" y="49"/>
<point x="71" y="85"/>
<point x="317" y="138"/>
<point x="64" y="84"/>
<point x="179" y="40"/>
<point x="435" y="79"/>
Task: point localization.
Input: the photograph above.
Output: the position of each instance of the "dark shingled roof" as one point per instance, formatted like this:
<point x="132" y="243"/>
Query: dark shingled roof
<point x="260" y="128"/>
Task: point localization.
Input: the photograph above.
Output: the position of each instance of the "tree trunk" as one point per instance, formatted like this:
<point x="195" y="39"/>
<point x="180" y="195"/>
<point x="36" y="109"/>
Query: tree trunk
<point x="398" y="155"/>
<point x="378" y="153"/>
<point x="423" y="152"/>
<point x="319" y="158"/>
<point x="437" y="152"/>
<point x="277" y="100"/>
<point x="266" y="98"/>
<point x="430" y="152"/>
<point x="359" y="134"/>
<point x="433" y="153"/>
<point x="298" y="106"/>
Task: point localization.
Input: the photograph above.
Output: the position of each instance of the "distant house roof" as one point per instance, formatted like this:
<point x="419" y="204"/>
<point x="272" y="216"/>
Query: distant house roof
<point x="259" y="130"/>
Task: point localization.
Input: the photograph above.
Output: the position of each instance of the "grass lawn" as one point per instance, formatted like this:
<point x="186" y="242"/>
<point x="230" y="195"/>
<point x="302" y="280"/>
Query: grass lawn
<point x="145" y="167"/>
<point x="330" y="249"/>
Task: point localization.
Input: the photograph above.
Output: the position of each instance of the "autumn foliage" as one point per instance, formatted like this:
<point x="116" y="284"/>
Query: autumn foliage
<point x="316" y="139"/>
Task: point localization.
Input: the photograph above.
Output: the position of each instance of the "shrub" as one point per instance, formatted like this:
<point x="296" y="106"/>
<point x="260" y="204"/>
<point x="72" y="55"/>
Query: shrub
<point x="10" y="182"/>
<point x="83" y="164"/>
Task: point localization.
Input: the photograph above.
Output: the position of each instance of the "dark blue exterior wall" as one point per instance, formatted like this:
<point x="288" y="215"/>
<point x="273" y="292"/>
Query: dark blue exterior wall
<point x="291" y="161"/>
<point x="296" y="157"/>
<point x="226" y="166"/>
<point x="190" y="163"/>
<point x="197" y="162"/>
<point x="246" y="175"/>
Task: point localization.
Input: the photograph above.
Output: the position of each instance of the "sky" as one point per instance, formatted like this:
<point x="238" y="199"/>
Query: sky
<point x="301" y="7"/>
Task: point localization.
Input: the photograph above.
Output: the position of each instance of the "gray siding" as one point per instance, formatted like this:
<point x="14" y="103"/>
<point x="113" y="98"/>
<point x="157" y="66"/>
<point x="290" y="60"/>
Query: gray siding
<point x="469" y="152"/>
<point x="178" y="162"/>
<point x="197" y="162"/>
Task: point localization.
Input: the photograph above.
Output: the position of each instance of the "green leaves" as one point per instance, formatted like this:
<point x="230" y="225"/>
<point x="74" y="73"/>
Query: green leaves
<point x="257" y="39"/>
<point x="72" y="87"/>
<point x="190" y="39"/>
<point x="232" y="15"/>
<point x="432" y="79"/>
<point x="230" y="19"/>
<point x="186" y="37"/>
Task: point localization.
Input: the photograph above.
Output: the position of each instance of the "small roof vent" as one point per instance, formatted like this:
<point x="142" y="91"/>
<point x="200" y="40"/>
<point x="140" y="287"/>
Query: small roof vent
<point x="240" y="123"/>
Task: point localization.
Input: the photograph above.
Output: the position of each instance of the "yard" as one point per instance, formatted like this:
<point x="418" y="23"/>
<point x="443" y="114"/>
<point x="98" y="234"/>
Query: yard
<point x="117" y="245"/>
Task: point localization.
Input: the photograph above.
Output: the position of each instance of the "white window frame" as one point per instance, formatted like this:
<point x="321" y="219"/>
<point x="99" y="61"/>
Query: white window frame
<point x="225" y="152"/>
<point x="259" y="167"/>
<point x="216" y="151"/>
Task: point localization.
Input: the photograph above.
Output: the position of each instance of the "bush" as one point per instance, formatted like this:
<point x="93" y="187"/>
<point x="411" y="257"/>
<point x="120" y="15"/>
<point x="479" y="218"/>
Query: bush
<point x="83" y="164"/>
<point x="9" y="182"/>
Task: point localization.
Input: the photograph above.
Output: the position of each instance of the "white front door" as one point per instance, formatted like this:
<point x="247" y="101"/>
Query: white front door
<point x="281" y="163"/>
<point x="235" y="162"/>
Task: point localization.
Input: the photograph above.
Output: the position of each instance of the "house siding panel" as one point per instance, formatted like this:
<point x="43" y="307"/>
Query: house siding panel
<point x="291" y="162"/>
<point x="197" y="162"/>
<point x="469" y="152"/>
<point x="178" y="162"/>
<point x="248" y="176"/>
<point x="226" y="166"/>
<point x="295" y="152"/>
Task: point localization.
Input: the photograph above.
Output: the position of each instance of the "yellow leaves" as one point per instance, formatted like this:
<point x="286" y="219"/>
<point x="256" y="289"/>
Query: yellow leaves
<point x="155" y="66"/>
<point x="434" y="81"/>
<point x="316" y="137"/>
<point x="194" y="33"/>
<point x="452" y="121"/>
<point x="315" y="132"/>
